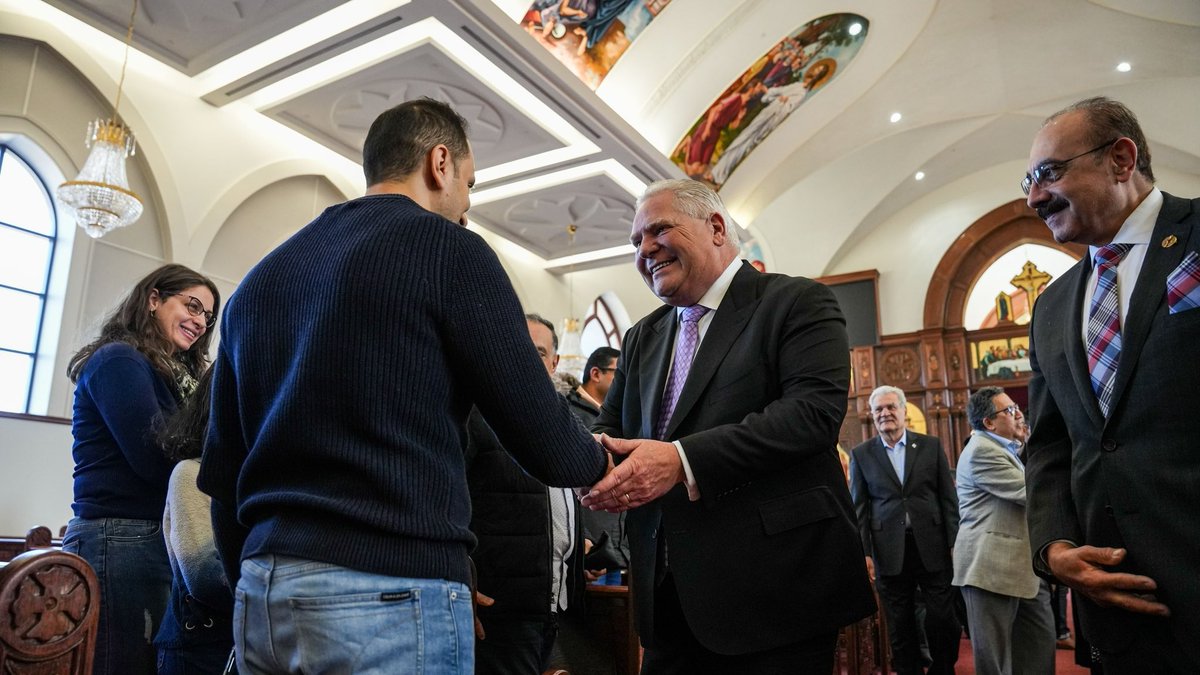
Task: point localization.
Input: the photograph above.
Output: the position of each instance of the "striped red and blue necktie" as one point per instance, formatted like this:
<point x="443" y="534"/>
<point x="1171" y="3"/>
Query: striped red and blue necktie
<point x="1104" y="324"/>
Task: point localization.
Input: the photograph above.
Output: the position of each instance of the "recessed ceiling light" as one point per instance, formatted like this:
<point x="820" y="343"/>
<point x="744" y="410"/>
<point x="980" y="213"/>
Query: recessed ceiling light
<point x="1124" y="67"/>
<point x="855" y="28"/>
<point x="895" y="117"/>
<point x="920" y="175"/>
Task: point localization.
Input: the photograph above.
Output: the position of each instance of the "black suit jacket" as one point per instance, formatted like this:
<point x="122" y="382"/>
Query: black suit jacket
<point x="769" y="554"/>
<point x="880" y="502"/>
<point x="1133" y="480"/>
<point x="512" y="524"/>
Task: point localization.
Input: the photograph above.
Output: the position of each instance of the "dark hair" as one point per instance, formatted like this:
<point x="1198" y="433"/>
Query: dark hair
<point x="133" y="324"/>
<point x="401" y="137"/>
<point x="982" y="406"/>
<point x="182" y="434"/>
<point x="538" y="318"/>
<point x="1109" y="119"/>
<point x="599" y="359"/>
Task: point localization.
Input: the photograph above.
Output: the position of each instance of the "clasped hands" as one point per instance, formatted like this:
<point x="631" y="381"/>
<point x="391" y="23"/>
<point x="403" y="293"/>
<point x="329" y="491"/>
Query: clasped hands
<point x="650" y="469"/>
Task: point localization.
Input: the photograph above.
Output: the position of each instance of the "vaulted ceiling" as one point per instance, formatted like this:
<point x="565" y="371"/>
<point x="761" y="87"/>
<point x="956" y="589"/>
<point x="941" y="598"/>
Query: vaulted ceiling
<point x="972" y="80"/>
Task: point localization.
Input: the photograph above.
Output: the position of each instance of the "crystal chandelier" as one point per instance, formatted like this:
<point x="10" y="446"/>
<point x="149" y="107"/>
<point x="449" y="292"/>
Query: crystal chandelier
<point x="100" y="198"/>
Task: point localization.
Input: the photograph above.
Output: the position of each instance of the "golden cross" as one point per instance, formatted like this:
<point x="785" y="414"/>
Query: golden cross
<point x="1030" y="280"/>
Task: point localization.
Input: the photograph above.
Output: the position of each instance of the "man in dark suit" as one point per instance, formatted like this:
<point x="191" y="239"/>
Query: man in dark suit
<point x="1112" y="463"/>
<point x="908" y="520"/>
<point x="529" y="557"/>
<point x="744" y="554"/>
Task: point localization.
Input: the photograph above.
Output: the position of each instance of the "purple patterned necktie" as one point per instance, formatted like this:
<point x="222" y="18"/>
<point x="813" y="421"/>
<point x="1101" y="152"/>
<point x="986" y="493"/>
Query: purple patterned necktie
<point x="1104" y="324"/>
<point x="685" y="350"/>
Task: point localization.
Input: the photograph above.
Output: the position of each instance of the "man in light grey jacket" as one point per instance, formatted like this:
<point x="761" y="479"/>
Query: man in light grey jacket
<point x="1008" y="610"/>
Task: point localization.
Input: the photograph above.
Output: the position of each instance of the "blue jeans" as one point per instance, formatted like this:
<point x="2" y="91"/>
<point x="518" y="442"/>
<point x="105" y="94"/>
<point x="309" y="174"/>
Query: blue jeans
<point x="130" y="560"/>
<point x="293" y="615"/>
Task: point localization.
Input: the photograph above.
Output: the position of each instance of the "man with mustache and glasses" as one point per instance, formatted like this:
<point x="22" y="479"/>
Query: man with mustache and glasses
<point x="1113" y="487"/>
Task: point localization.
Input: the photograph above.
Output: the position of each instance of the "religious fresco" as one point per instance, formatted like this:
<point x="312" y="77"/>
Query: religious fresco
<point x="589" y="36"/>
<point x="765" y="95"/>
<point x="1000" y="358"/>
<point x="751" y="251"/>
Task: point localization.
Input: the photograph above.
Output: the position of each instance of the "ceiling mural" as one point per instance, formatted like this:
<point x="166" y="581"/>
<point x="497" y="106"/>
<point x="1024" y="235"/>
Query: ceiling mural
<point x="773" y="87"/>
<point x="589" y="36"/>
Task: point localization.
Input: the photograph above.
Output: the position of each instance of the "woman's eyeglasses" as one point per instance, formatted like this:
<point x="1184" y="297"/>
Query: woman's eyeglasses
<point x="195" y="308"/>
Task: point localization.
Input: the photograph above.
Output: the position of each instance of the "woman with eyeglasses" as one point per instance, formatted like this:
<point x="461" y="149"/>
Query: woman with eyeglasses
<point x="145" y="362"/>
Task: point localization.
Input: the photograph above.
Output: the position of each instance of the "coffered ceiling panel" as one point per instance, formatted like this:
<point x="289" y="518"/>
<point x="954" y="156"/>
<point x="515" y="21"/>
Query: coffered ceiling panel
<point x="601" y="210"/>
<point x="339" y="113"/>
<point x="192" y="35"/>
<point x="940" y="90"/>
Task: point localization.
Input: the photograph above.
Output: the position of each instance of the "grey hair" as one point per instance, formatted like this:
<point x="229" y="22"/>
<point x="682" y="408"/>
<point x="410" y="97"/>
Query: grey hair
<point x="887" y="389"/>
<point x="695" y="199"/>
<point x="981" y="406"/>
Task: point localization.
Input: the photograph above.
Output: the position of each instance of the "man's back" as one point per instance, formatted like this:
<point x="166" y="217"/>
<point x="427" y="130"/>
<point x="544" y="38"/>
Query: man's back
<point x="349" y="359"/>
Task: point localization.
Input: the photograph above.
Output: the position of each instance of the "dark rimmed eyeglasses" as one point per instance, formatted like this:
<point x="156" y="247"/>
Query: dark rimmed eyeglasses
<point x="1052" y="170"/>
<point x="195" y="307"/>
<point x="1012" y="410"/>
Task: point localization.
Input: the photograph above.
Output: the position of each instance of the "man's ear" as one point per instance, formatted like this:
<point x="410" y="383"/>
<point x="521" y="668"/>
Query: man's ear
<point x="441" y="166"/>
<point x="1124" y="154"/>
<point x="720" y="234"/>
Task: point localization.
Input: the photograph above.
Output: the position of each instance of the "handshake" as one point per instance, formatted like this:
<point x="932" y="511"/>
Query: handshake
<point x="650" y="469"/>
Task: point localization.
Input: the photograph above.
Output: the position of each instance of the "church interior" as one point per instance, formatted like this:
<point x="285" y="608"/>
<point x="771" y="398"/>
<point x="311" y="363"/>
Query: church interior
<point x="877" y="146"/>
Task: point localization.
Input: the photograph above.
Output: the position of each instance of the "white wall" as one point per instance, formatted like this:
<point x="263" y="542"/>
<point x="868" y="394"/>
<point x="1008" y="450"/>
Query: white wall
<point x="35" y="475"/>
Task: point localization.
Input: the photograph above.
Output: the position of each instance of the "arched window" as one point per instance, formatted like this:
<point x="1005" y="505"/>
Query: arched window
<point x="605" y="324"/>
<point x="1002" y="293"/>
<point x="28" y="230"/>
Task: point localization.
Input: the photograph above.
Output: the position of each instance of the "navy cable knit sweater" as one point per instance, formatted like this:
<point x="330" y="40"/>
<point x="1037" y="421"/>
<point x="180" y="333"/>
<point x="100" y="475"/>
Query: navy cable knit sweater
<point x="120" y="470"/>
<point x="349" y="359"/>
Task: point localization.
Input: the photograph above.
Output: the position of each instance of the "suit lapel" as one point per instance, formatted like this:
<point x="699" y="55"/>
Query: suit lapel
<point x="1150" y="292"/>
<point x="879" y="450"/>
<point x="654" y="362"/>
<point x="1073" y="345"/>
<point x="735" y="311"/>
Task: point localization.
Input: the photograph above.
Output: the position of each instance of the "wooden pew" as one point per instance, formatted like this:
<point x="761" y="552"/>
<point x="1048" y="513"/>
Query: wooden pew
<point x="610" y="614"/>
<point x="35" y="538"/>
<point x="50" y="604"/>
<point x="862" y="647"/>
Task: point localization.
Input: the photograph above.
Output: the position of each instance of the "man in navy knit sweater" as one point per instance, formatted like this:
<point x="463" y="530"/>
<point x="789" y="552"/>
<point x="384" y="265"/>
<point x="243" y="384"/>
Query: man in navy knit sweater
<point x="349" y="359"/>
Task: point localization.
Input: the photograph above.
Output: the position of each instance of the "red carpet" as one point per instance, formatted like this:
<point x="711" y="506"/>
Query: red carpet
<point x="1064" y="663"/>
<point x="1064" y="659"/>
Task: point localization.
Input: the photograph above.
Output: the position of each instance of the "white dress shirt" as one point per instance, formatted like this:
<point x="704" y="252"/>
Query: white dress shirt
<point x="1137" y="229"/>
<point x="711" y="299"/>
<point x="896" y="454"/>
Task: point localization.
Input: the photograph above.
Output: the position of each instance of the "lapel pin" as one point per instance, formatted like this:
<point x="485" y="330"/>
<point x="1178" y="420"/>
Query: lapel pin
<point x="1169" y="241"/>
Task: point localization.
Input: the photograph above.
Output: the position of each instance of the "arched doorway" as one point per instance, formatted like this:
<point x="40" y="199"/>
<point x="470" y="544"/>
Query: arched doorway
<point x="938" y="366"/>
